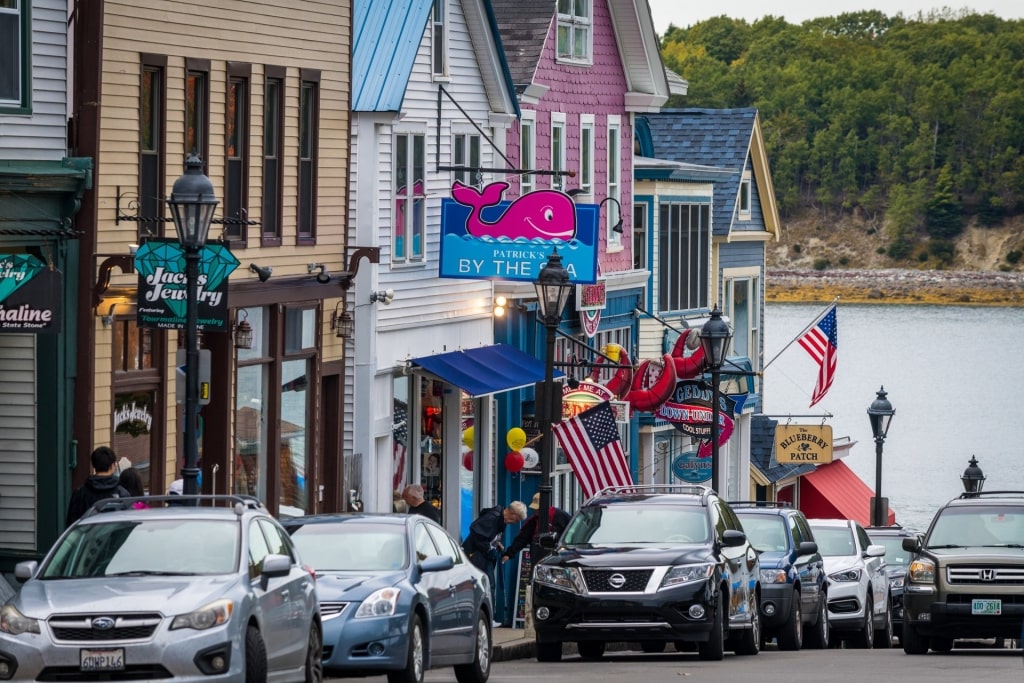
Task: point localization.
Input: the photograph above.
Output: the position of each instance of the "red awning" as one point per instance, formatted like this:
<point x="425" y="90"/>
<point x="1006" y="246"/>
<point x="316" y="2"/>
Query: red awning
<point x="835" y="491"/>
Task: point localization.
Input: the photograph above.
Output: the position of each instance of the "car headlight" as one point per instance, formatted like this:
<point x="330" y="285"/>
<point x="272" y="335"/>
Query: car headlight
<point x="897" y="582"/>
<point x="845" y="576"/>
<point x="381" y="603"/>
<point x="688" y="573"/>
<point x="214" y="614"/>
<point x="566" y="578"/>
<point x="921" y="571"/>
<point x="15" y="623"/>
<point x="773" y="576"/>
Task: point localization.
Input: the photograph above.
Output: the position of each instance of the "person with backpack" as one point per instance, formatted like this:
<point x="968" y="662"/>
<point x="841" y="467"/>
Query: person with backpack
<point x="557" y="521"/>
<point x="103" y="484"/>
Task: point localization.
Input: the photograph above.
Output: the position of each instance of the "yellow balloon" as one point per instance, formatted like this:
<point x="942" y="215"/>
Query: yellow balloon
<point x="467" y="437"/>
<point x="516" y="438"/>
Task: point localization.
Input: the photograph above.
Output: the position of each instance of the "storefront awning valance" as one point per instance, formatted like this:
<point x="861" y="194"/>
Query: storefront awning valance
<point x="486" y="369"/>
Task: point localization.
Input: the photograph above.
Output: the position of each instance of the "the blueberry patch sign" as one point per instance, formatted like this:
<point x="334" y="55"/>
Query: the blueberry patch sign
<point x="30" y="295"/>
<point x="484" y="237"/>
<point x="162" y="303"/>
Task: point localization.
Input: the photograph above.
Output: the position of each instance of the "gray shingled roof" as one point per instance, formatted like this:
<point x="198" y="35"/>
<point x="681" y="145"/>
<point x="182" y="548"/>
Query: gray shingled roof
<point x="762" y="451"/>
<point x="709" y="137"/>
<point x="524" y="26"/>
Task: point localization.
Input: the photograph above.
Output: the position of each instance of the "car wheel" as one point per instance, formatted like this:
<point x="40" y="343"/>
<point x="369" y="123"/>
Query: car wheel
<point x="941" y="644"/>
<point x="590" y="649"/>
<point x="314" y="656"/>
<point x="883" y="636"/>
<point x="414" y="659"/>
<point x="819" y="636"/>
<point x="749" y="640"/>
<point x="255" y="656"/>
<point x="791" y="635"/>
<point x="864" y="638"/>
<point x="713" y="649"/>
<point x="479" y="669"/>
<point x="653" y="646"/>
<point x="913" y="642"/>
<point x="548" y="652"/>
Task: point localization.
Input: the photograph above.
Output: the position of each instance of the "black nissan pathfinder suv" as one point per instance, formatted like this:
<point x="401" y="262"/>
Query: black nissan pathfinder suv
<point x="655" y="564"/>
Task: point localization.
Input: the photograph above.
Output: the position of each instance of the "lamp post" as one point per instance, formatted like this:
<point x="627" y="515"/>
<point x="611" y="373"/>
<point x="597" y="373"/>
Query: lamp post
<point x="714" y="338"/>
<point x="553" y="288"/>
<point x="973" y="478"/>
<point x="192" y="204"/>
<point x="880" y="413"/>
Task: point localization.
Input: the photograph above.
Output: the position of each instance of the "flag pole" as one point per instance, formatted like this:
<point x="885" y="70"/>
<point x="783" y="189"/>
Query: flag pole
<point x="802" y="332"/>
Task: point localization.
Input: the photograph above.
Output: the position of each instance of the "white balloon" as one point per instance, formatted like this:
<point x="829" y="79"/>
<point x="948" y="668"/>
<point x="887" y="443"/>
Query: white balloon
<point x="531" y="458"/>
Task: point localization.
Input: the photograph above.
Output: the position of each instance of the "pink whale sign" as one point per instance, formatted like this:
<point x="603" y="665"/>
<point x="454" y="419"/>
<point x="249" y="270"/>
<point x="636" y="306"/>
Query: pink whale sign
<point x="483" y="236"/>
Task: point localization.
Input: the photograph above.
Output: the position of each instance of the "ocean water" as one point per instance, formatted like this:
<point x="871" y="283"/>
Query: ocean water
<point x="952" y="373"/>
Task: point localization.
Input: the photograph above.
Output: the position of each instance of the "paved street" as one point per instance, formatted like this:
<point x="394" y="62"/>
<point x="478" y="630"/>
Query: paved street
<point x="834" y="666"/>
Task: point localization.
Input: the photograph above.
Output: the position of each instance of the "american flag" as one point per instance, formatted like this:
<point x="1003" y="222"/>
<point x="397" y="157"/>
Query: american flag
<point x="822" y="342"/>
<point x="591" y="442"/>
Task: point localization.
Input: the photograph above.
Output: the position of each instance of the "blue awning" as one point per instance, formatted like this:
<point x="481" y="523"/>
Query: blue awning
<point x="486" y="369"/>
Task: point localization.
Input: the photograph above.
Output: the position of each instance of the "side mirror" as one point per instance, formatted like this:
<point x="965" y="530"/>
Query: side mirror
<point x="437" y="563"/>
<point x="23" y="571"/>
<point x="547" y="541"/>
<point x="732" y="538"/>
<point x="874" y="551"/>
<point x="807" y="548"/>
<point x="912" y="544"/>
<point x="274" y="566"/>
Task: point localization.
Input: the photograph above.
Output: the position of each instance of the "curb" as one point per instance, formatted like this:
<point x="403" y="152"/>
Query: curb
<point x="525" y="648"/>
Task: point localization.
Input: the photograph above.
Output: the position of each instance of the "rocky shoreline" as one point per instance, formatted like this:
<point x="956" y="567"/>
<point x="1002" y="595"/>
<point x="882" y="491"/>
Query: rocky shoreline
<point x="895" y="286"/>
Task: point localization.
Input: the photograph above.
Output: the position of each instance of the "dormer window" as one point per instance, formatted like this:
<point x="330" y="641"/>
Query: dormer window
<point x="744" y="198"/>
<point x="574" y="34"/>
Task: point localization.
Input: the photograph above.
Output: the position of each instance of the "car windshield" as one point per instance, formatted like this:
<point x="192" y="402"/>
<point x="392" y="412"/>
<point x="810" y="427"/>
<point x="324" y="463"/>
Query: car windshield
<point x="834" y="541"/>
<point x="640" y="524"/>
<point x="351" y="546"/>
<point x="978" y="525"/>
<point x="140" y="547"/>
<point x="767" y="533"/>
<point x="895" y="555"/>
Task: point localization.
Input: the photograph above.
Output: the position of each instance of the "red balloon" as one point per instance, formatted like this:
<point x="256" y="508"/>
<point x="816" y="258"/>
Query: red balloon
<point x="514" y="461"/>
<point x="467" y="460"/>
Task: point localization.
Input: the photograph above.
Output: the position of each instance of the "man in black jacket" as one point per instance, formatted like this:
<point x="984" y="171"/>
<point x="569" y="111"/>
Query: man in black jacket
<point x="483" y="543"/>
<point x="557" y="521"/>
<point x="99" y="486"/>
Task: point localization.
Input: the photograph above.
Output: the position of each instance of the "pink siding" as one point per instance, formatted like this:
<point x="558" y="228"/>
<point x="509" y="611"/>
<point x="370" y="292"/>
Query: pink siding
<point x="599" y="90"/>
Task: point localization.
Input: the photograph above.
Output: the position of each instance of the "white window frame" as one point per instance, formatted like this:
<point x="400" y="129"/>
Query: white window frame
<point x="586" y="171"/>
<point x="528" y="151"/>
<point x="614" y="180"/>
<point x="744" y="198"/>
<point x="640" y="232"/>
<point x="410" y="229"/>
<point x="578" y="26"/>
<point x="751" y="332"/>
<point x="678" y="252"/>
<point x="470" y="155"/>
<point x="439" y="39"/>
<point x="20" y="50"/>
<point x="558" y="156"/>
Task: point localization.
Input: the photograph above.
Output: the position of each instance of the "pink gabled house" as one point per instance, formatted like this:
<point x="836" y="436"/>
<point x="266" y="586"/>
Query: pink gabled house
<point x="582" y="71"/>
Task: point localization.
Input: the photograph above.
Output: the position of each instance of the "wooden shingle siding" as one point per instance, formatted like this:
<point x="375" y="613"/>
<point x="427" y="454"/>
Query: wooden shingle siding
<point x="42" y="136"/>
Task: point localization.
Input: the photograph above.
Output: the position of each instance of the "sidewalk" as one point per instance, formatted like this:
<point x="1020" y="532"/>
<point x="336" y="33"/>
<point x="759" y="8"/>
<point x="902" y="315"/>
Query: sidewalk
<point x="511" y="643"/>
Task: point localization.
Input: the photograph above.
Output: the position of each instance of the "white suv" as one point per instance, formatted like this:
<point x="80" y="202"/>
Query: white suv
<point x="858" y="589"/>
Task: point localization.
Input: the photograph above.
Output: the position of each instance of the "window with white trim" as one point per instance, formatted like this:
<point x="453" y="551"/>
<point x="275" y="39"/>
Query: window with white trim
<point x="466" y="153"/>
<point x="614" y="180"/>
<point x="408" y="226"/>
<point x="744" y="198"/>
<point x="741" y="305"/>
<point x="574" y="30"/>
<point x="558" y="150"/>
<point x="684" y="256"/>
<point x="439" y="37"/>
<point x="15" y="52"/>
<point x="528" y="151"/>
<point x="587" y="154"/>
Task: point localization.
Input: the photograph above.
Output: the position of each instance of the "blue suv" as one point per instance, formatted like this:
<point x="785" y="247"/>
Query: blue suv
<point x="793" y="580"/>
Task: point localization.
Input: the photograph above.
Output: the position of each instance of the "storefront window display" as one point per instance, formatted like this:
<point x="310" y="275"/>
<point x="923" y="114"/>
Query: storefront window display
<point x="137" y="404"/>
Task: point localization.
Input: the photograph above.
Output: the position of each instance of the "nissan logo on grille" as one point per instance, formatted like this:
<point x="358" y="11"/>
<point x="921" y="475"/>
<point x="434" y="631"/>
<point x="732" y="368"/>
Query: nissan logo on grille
<point x="988" y="574"/>
<point x="616" y="580"/>
<point x="103" y="623"/>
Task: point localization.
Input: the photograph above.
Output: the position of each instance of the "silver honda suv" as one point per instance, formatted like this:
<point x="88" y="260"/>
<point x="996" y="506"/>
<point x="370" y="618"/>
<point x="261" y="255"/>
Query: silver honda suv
<point x="209" y="589"/>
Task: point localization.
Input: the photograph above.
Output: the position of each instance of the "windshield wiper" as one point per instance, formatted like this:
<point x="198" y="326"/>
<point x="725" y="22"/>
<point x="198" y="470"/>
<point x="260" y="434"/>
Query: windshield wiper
<point x="945" y="547"/>
<point x="151" y="572"/>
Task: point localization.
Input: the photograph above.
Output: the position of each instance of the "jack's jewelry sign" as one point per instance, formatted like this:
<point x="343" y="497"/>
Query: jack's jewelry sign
<point x="30" y="295"/>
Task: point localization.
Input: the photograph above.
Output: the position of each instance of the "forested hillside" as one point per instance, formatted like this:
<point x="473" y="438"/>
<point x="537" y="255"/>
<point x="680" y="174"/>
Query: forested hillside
<point x="913" y="125"/>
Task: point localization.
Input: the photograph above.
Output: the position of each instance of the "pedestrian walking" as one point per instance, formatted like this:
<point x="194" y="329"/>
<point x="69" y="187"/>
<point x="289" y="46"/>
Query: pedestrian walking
<point x="131" y="480"/>
<point x="102" y="484"/>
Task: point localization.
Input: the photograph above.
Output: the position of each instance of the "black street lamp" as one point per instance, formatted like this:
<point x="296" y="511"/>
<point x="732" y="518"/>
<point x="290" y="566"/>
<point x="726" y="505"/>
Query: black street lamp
<point x="973" y="478"/>
<point x="553" y="288"/>
<point x="714" y="338"/>
<point x="192" y="204"/>
<point x="880" y="413"/>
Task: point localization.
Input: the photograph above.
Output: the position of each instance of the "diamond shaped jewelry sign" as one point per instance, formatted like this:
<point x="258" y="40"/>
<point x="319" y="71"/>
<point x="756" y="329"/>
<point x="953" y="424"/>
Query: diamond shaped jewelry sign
<point x="163" y="290"/>
<point x="30" y="295"/>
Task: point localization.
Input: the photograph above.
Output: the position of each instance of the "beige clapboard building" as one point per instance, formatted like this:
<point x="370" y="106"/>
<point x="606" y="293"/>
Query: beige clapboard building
<point x="259" y="90"/>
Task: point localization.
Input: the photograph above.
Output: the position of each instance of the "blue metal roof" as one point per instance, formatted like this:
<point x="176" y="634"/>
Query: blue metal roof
<point x="709" y="137"/>
<point x="762" y="448"/>
<point x="386" y="37"/>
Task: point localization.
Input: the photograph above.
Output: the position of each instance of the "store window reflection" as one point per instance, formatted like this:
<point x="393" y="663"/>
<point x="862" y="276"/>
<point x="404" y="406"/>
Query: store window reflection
<point x="250" y="458"/>
<point x="133" y="431"/>
<point x="293" y="455"/>
<point x="431" y="444"/>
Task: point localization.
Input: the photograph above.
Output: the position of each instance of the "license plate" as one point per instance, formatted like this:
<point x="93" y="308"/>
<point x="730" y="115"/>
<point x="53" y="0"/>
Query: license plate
<point x="987" y="607"/>
<point x="102" y="660"/>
